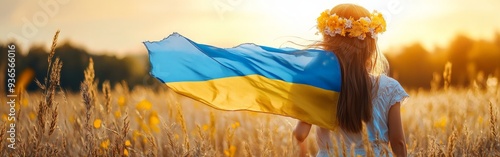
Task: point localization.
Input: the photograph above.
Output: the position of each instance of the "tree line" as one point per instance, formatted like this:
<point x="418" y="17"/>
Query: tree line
<point x="472" y="62"/>
<point x="132" y="69"/>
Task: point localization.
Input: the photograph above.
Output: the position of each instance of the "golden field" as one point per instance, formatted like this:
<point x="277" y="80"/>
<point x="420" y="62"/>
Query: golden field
<point x="117" y="121"/>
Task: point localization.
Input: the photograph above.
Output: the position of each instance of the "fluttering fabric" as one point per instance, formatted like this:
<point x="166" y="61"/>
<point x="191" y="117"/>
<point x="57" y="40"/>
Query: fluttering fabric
<point x="302" y="84"/>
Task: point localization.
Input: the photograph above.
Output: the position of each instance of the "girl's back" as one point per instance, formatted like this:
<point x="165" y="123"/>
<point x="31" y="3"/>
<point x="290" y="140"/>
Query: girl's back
<point x="367" y="95"/>
<point x="388" y="93"/>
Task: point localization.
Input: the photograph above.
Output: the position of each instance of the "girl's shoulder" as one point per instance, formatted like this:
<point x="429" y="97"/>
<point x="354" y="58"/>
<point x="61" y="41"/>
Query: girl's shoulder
<point x="383" y="82"/>
<point x="389" y="82"/>
<point x="391" y="90"/>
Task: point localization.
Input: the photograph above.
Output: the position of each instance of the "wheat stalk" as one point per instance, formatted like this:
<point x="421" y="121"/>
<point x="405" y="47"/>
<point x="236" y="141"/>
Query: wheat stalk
<point x="447" y="75"/>
<point x="53" y="121"/>
<point x="52" y="81"/>
<point x="452" y="142"/>
<point x="343" y="145"/>
<point x="88" y="101"/>
<point x="53" y="47"/>
<point x="335" y="147"/>
<point x="180" y="119"/>
<point x="154" y="148"/>
<point x="366" y="142"/>
<point x="493" y="120"/>
<point x="106" y="90"/>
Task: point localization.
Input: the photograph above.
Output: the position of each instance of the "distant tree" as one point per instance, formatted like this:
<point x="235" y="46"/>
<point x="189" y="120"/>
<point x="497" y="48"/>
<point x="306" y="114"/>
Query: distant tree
<point x="438" y="58"/>
<point x="37" y="60"/>
<point x="111" y="68"/>
<point x="413" y="66"/>
<point x="75" y="60"/>
<point x="485" y="56"/>
<point x="458" y="53"/>
<point x="139" y="70"/>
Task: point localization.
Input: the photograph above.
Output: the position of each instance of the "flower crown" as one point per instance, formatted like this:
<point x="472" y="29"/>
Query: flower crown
<point x="333" y="24"/>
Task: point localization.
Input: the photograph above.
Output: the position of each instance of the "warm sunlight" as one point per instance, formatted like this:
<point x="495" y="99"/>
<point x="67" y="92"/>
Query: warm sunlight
<point x="208" y="78"/>
<point x="230" y="22"/>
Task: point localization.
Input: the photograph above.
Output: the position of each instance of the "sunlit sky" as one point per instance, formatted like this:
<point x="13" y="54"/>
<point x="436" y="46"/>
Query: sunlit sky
<point x="120" y="26"/>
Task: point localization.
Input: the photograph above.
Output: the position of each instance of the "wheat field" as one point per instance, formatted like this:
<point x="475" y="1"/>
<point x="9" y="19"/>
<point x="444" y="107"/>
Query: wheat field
<point x="158" y="122"/>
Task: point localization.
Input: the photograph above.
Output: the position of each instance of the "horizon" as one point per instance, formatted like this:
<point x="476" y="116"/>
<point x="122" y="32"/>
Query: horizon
<point x="105" y="27"/>
<point x="62" y="42"/>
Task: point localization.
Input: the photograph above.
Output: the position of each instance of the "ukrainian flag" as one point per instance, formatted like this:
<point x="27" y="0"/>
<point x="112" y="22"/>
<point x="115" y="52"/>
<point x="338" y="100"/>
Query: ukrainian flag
<point x="302" y="84"/>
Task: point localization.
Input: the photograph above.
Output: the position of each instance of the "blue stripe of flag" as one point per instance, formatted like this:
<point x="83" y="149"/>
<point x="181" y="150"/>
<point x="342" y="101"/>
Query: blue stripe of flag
<point x="178" y="59"/>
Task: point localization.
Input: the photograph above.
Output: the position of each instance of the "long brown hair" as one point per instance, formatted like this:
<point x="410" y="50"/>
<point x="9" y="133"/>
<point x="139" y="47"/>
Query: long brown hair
<point x="358" y="60"/>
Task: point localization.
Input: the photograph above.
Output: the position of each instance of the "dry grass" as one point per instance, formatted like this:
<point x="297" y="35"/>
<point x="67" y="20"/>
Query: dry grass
<point x="143" y="122"/>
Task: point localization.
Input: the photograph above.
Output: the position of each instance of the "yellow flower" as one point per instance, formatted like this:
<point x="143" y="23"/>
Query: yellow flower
<point x="105" y="144"/>
<point x="364" y="21"/>
<point x="121" y="101"/>
<point x="205" y="127"/>
<point x="144" y="105"/>
<point x="127" y="143"/>
<point x="118" y="114"/>
<point x="356" y="29"/>
<point x="441" y="123"/>
<point x="231" y="151"/>
<point x="153" y="118"/>
<point x="235" y="125"/>
<point x="378" y="22"/>
<point x="334" y="22"/>
<point x="125" y="152"/>
<point x="154" y="121"/>
<point x="97" y="123"/>
<point x="322" y="20"/>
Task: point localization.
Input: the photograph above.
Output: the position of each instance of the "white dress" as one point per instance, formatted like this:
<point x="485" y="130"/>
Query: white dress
<point x="389" y="93"/>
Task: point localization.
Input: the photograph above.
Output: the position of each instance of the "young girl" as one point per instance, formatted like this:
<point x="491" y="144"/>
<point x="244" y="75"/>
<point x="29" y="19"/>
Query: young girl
<point x="367" y="95"/>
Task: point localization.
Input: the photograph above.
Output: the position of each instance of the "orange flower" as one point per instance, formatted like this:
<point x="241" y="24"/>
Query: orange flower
<point x="105" y="144"/>
<point x="125" y="152"/>
<point x="231" y="151"/>
<point x="97" y="123"/>
<point x="154" y="120"/>
<point x="127" y="143"/>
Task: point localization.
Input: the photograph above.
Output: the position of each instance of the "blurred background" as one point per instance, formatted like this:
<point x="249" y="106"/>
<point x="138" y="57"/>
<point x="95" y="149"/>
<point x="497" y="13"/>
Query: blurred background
<point x="421" y="38"/>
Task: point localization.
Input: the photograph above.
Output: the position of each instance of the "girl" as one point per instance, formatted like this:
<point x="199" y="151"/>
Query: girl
<point x="367" y="95"/>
